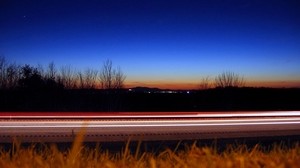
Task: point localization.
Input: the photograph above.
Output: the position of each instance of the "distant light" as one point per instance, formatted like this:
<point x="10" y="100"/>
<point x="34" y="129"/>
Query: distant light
<point x="188" y="92"/>
<point x="129" y="90"/>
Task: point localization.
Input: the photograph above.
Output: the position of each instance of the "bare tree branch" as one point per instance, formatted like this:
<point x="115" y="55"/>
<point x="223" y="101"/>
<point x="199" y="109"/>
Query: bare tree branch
<point x="90" y="77"/>
<point x="229" y="79"/>
<point x="119" y="79"/>
<point x="205" y="83"/>
<point x="3" y="66"/>
<point x="68" y="77"/>
<point x="12" y="75"/>
<point x="111" y="78"/>
<point x="51" y="71"/>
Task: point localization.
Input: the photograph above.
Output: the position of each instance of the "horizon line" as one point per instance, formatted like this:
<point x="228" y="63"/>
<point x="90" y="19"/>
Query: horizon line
<point x="196" y="86"/>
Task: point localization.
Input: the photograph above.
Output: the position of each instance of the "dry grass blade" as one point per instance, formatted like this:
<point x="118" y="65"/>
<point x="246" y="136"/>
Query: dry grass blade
<point x="76" y="147"/>
<point x="193" y="156"/>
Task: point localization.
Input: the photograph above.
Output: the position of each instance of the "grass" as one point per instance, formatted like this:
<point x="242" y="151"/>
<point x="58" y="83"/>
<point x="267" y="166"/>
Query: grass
<point x="79" y="156"/>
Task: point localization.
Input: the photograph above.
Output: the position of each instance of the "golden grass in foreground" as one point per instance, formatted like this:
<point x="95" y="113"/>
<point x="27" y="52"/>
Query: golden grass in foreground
<point x="193" y="156"/>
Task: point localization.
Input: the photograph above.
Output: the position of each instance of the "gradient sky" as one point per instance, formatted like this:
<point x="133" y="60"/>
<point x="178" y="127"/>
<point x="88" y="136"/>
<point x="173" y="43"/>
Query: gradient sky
<point x="165" y="43"/>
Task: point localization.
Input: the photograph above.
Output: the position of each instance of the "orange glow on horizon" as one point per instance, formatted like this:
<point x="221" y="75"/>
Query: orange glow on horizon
<point x="274" y="84"/>
<point x="195" y="85"/>
<point x="163" y="85"/>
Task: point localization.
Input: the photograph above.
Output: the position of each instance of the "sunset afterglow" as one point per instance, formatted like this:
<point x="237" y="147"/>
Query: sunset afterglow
<point x="164" y="44"/>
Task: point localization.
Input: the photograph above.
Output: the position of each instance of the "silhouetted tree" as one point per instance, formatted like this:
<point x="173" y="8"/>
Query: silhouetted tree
<point x="51" y="71"/>
<point x="3" y="66"/>
<point x="106" y="75"/>
<point x="81" y="80"/>
<point x="111" y="78"/>
<point x="229" y="79"/>
<point x="12" y="75"/>
<point x="68" y="77"/>
<point x="119" y="79"/>
<point x="205" y="83"/>
<point x="9" y="74"/>
<point x="87" y="80"/>
<point x="30" y="78"/>
<point x="50" y="77"/>
<point x="90" y="77"/>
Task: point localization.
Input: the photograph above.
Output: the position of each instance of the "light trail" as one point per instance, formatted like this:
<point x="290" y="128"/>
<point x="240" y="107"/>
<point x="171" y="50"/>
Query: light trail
<point x="134" y="115"/>
<point x="114" y="127"/>
<point x="152" y="125"/>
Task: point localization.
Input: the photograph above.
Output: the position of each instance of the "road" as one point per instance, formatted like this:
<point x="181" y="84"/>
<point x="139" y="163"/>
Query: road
<point x="104" y="127"/>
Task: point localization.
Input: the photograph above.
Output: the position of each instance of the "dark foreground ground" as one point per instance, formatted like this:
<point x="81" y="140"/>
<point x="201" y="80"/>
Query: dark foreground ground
<point x="228" y="99"/>
<point x="156" y="147"/>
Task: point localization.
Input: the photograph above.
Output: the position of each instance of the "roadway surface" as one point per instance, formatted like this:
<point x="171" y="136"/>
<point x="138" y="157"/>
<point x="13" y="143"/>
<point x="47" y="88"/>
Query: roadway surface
<point x="105" y="127"/>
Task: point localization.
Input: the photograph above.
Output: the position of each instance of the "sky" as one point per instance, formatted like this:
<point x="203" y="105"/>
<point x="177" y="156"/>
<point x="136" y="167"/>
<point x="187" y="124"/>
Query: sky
<point x="159" y="43"/>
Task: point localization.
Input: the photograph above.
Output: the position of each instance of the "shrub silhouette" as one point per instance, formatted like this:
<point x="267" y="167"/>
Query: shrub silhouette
<point x="32" y="79"/>
<point x="229" y="79"/>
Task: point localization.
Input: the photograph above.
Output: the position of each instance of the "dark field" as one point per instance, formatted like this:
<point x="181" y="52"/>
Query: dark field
<point x="218" y="99"/>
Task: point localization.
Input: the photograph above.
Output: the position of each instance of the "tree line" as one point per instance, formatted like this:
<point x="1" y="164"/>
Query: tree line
<point x="226" y="79"/>
<point x="13" y="76"/>
<point x="52" y="88"/>
<point x="108" y="77"/>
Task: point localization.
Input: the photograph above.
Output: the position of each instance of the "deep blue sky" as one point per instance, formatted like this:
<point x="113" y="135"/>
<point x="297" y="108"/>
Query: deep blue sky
<point x="157" y="41"/>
